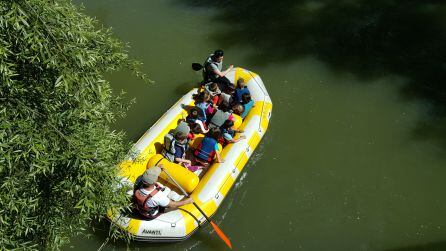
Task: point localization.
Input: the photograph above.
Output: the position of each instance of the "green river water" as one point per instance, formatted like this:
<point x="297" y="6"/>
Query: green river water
<point x="354" y="158"/>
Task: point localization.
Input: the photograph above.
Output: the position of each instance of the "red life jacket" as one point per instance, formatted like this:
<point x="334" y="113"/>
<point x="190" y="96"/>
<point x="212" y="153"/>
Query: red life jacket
<point x="222" y="141"/>
<point x="141" y="199"/>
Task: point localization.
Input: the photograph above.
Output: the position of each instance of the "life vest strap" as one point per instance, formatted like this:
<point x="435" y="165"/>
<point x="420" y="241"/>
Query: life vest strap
<point x="149" y="211"/>
<point x="155" y="191"/>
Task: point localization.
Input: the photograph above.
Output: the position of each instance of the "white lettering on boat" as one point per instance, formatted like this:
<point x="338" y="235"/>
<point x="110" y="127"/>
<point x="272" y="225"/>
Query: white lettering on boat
<point x="151" y="232"/>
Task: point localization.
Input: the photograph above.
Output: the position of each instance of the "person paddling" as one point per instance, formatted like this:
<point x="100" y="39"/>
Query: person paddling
<point x="152" y="198"/>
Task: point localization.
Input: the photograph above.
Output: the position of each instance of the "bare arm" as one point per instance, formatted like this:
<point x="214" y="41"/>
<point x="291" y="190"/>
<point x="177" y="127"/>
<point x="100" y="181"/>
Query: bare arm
<point x="175" y="204"/>
<point x="217" y="156"/>
<point x="237" y="140"/>
<point x="181" y="160"/>
<point x="223" y="73"/>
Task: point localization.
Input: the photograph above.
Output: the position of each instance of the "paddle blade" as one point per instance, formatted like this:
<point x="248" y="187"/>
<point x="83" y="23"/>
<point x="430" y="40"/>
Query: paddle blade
<point x="221" y="235"/>
<point x="196" y="66"/>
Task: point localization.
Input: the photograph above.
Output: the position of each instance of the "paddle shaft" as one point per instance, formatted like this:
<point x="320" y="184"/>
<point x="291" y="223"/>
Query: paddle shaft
<point x="216" y="228"/>
<point x="186" y="194"/>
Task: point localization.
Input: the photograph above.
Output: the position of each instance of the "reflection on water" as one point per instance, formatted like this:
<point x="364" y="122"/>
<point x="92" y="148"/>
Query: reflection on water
<point x="354" y="156"/>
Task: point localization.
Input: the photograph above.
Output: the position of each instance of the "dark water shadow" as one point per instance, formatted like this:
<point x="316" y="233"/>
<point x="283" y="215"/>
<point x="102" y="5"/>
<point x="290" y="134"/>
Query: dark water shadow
<point x="434" y="246"/>
<point x="370" y="39"/>
<point x="100" y="232"/>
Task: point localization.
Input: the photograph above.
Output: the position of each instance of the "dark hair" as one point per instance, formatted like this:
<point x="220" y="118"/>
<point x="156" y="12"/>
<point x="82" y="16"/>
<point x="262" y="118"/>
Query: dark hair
<point x="241" y="83"/>
<point x="218" y="53"/>
<point x="201" y="97"/>
<point x="213" y="86"/>
<point x="246" y="98"/>
<point x="195" y="112"/>
<point x="238" y="109"/>
<point x="195" y="128"/>
<point x="214" y="133"/>
<point x="180" y="136"/>
<point x="228" y="124"/>
<point x="230" y="88"/>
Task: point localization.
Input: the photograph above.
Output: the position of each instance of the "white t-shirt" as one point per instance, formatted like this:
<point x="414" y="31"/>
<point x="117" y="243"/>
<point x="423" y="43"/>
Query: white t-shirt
<point x="159" y="199"/>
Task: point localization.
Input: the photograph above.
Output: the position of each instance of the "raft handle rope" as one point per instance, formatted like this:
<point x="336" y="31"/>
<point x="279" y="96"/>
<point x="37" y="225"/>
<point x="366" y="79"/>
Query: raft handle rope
<point x="264" y="95"/>
<point x="193" y="216"/>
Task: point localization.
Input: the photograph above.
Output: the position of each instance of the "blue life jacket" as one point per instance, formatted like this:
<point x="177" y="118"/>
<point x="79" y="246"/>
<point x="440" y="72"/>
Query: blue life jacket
<point x="203" y="107"/>
<point x="247" y="107"/>
<point x="239" y="93"/>
<point x="206" y="149"/>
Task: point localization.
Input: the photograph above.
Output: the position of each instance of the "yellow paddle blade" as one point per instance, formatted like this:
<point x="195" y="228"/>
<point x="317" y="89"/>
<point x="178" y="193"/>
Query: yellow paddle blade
<point x="221" y="235"/>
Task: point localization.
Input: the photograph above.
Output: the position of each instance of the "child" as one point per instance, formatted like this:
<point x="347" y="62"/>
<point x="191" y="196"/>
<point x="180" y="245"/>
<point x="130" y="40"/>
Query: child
<point x="247" y="103"/>
<point x="180" y="149"/>
<point x="238" y="109"/>
<point x="214" y="92"/>
<point x="193" y="119"/>
<point x="229" y="133"/>
<point x="175" y="149"/>
<point x="225" y="100"/>
<point x="202" y="101"/>
<point x="241" y="89"/>
<point x="219" y="118"/>
<point x="208" y="148"/>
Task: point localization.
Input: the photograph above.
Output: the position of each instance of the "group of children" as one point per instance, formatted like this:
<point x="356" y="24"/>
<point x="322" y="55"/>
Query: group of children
<point x="215" y="109"/>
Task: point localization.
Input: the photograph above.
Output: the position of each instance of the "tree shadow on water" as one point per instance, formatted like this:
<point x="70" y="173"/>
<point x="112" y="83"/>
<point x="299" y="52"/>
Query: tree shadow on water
<point x="370" y="39"/>
<point x="434" y="246"/>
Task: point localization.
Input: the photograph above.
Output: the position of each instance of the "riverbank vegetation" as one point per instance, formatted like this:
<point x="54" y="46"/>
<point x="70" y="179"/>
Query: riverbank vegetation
<point x="57" y="150"/>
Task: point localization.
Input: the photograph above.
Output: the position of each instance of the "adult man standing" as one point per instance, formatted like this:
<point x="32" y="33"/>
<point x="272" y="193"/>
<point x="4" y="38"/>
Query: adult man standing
<point x="151" y="198"/>
<point x="212" y="70"/>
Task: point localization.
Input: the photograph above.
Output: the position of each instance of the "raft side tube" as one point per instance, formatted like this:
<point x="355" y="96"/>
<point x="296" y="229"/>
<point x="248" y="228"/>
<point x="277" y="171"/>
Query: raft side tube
<point x="185" y="178"/>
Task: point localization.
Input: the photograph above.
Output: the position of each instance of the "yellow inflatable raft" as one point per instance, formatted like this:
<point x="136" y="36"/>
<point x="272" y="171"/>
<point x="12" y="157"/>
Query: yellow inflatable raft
<point x="209" y="191"/>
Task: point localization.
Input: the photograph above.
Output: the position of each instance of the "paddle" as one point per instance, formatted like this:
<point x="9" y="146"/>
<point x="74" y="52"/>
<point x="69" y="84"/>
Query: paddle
<point x="196" y="66"/>
<point x="216" y="228"/>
